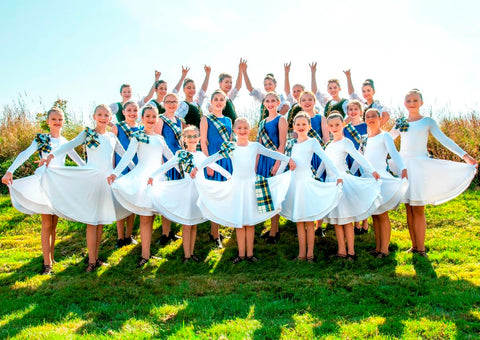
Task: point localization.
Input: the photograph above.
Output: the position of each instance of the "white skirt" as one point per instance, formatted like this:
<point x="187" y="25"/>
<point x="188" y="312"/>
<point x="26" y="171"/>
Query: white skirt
<point x="392" y="191"/>
<point x="81" y="194"/>
<point x="176" y="200"/>
<point x="361" y="197"/>
<point x="434" y="181"/>
<point x="308" y="199"/>
<point x="233" y="203"/>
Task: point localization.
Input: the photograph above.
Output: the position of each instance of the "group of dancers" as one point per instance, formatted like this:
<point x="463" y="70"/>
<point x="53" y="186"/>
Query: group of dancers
<point x="166" y="157"/>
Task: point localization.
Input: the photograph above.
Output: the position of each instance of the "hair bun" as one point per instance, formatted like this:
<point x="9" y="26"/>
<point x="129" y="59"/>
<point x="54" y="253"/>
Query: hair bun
<point x="270" y="75"/>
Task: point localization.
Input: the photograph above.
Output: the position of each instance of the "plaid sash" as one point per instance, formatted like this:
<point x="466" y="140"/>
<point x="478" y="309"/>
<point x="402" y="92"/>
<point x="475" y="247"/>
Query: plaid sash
<point x="176" y="130"/>
<point x="401" y="124"/>
<point x="314" y="134"/>
<point x="289" y="146"/>
<point x="263" y="136"/>
<point x="91" y="138"/>
<point x="263" y="194"/>
<point x="127" y="129"/>
<point x="141" y="136"/>
<point x="185" y="160"/>
<point x="226" y="149"/>
<point x="355" y="134"/>
<point x="43" y="142"/>
<point x="222" y="130"/>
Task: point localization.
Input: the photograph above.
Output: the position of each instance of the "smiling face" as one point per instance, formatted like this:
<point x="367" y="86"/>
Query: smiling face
<point x="271" y="103"/>
<point x="126" y="93"/>
<point x="171" y="104"/>
<point x="413" y="102"/>
<point x="335" y="126"/>
<point x="130" y="111"/>
<point x="191" y="138"/>
<point x="55" y="120"/>
<point x="161" y="90"/>
<point x="149" y="119"/>
<point x="242" y="129"/>
<point x="226" y="84"/>
<point x="368" y="92"/>
<point x="296" y="91"/>
<point x="307" y="102"/>
<point x="333" y="88"/>
<point x="354" y="111"/>
<point x="269" y="85"/>
<point x="102" y="116"/>
<point x="373" y="120"/>
<point x="301" y="125"/>
<point x="189" y="89"/>
<point x="218" y="102"/>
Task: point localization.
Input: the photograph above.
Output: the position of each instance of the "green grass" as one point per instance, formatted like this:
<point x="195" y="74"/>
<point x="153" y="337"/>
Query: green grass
<point x="402" y="297"/>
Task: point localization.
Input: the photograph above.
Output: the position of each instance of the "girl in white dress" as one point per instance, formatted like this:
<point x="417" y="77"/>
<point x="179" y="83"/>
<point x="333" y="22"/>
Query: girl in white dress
<point x="308" y="199"/>
<point x="82" y="193"/>
<point x="178" y="199"/>
<point x="26" y="194"/>
<point x="131" y="189"/>
<point x="379" y="145"/>
<point x="432" y="181"/>
<point x="246" y="199"/>
<point x="361" y="196"/>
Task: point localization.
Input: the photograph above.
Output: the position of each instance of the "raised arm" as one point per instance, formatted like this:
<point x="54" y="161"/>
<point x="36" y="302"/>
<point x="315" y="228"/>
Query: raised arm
<point x="348" y="74"/>
<point x="182" y="78"/>
<point x="313" y="69"/>
<point x="286" y="86"/>
<point x="207" y="69"/>
<point x="150" y="94"/>
<point x="248" y="84"/>
<point x="241" y="66"/>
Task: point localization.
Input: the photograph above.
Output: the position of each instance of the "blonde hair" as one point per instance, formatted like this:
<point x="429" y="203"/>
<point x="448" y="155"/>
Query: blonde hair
<point x="356" y="103"/>
<point x="171" y="94"/>
<point x="241" y="120"/>
<point x="307" y="92"/>
<point x="217" y="91"/>
<point x="334" y="80"/>
<point x="103" y="106"/>
<point x="373" y="110"/>
<point x="272" y="93"/>
<point x="56" y="110"/>
<point x="302" y="114"/>
<point x="415" y="91"/>
<point x="191" y="128"/>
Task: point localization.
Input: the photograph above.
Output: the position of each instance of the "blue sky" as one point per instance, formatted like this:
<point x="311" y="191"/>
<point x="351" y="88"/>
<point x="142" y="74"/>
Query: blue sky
<point x="83" y="50"/>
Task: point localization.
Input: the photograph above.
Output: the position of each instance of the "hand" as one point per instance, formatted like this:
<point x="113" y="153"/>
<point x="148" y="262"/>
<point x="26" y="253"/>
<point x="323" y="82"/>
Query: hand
<point x="207" y="69"/>
<point x="313" y="67"/>
<point x="210" y="172"/>
<point x="111" y="179"/>
<point x="292" y="164"/>
<point x="376" y="175"/>
<point x="49" y="159"/>
<point x="193" y="173"/>
<point x="287" y="67"/>
<point x="339" y="181"/>
<point x="470" y="160"/>
<point x="242" y="66"/>
<point x="185" y="71"/>
<point x="150" y="181"/>
<point x="347" y="73"/>
<point x="7" y="178"/>
<point x="275" y="167"/>
<point x="157" y="75"/>
<point x="41" y="162"/>
<point x="404" y="174"/>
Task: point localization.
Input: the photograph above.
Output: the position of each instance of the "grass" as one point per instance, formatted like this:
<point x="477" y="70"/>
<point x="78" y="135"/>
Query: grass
<point x="401" y="297"/>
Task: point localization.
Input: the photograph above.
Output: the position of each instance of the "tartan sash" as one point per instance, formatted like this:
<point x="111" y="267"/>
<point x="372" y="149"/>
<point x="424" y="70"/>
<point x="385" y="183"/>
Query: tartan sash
<point x="43" y="142"/>
<point x="401" y="124"/>
<point x="264" y="138"/>
<point x="222" y="130"/>
<point x="263" y="194"/>
<point x="185" y="160"/>
<point x="176" y="130"/>
<point x="289" y="146"/>
<point x="314" y="134"/>
<point x="91" y="138"/>
<point x="126" y="128"/>
<point x="355" y="134"/>
<point x="226" y="149"/>
<point x="141" y="136"/>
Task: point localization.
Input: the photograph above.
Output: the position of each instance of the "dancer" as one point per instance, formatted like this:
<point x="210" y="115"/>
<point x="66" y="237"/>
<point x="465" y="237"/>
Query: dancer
<point x="161" y="90"/>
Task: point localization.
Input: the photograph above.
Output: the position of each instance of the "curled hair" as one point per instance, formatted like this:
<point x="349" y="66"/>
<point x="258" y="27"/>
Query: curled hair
<point x="186" y="81"/>
<point x="334" y="80"/>
<point x="335" y="114"/>
<point x="223" y="76"/>
<point x="415" y="91"/>
<point x="149" y="107"/>
<point x="307" y="92"/>
<point x="218" y="91"/>
<point x="272" y="93"/>
<point x="373" y="110"/>
<point x="241" y="120"/>
<point x="124" y="85"/>
<point x="55" y="110"/>
<point x="103" y="106"/>
<point x="369" y="82"/>
<point x="158" y="83"/>
<point x="302" y="114"/>
<point x="130" y="102"/>
<point x="271" y="77"/>
<point x="355" y="103"/>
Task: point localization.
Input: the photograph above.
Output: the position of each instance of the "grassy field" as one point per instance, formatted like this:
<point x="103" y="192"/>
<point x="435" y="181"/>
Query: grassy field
<point x="403" y="296"/>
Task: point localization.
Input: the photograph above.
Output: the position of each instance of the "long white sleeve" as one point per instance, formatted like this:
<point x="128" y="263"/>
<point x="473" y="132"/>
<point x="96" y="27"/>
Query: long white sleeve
<point x="357" y="156"/>
<point x="173" y="162"/>
<point x="75" y="157"/>
<point x="444" y="140"/>
<point x="392" y="151"/>
<point x="211" y="159"/>
<point x="317" y="149"/>
<point x="22" y="157"/>
<point x="275" y="155"/>
<point x="78" y="140"/>
<point x="126" y="157"/>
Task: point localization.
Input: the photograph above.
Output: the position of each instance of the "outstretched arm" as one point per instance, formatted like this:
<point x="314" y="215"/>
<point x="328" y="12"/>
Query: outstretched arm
<point x="75" y="157"/>
<point x="317" y="149"/>
<point x="127" y="157"/>
<point x="182" y="78"/>
<point x="22" y="157"/>
<point x="357" y="156"/>
<point x="394" y="154"/>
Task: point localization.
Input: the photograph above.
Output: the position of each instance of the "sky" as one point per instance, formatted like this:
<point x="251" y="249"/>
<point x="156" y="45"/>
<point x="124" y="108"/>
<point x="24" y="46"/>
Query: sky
<point x="82" y="51"/>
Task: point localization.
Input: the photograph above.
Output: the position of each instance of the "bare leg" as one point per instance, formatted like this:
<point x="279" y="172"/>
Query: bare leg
<point x="146" y="226"/>
<point x="186" y="234"/>
<point x="319" y="224"/>
<point x="92" y="243"/>
<point x="377" y="226"/>
<point x="214" y="230"/>
<point x="410" y="223"/>
<point x="166" y="225"/>
<point x="121" y="229"/>
<point x="193" y="237"/>
<point x="274" y="222"/>
<point x="310" y="238"/>
<point x="240" y="232"/>
<point x="302" y="240"/>
<point x="419" y="226"/>
<point x="46" y="238"/>
<point x="350" y="236"/>
<point x="53" y="236"/>
<point x="365" y="224"/>
<point x="340" y="234"/>
<point x="98" y="240"/>
<point x="130" y="221"/>
<point x="250" y="237"/>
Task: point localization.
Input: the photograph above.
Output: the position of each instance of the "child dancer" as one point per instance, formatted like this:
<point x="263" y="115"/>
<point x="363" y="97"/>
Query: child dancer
<point x="81" y="193"/>
<point x="378" y="146"/>
<point x="360" y="195"/>
<point x="190" y="110"/>
<point x="308" y="199"/>
<point x="335" y="103"/>
<point x="161" y="91"/>
<point x="368" y="91"/>
<point x="246" y="199"/>
<point x="178" y="199"/>
<point x="214" y="130"/>
<point x="297" y="89"/>
<point x="432" y="181"/>
<point x="272" y="133"/>
<point x="269" y="85"/>
<point x="126" y="93"/>
<point x="170" y="128"/>
<point x="131" y="189"/>
<point x="25" y="193"/>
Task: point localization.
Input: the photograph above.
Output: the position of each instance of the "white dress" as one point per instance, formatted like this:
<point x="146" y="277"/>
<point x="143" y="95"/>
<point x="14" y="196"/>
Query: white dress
<point x="432" y="181"/>
<point x="361" y="196"/>
<point x="131" y="189"/>
<point x="233" y="203"/>
<point x="392" y="189"/>
<point x="82" y="194"/>
<point x="26" y="193"/>
<point x="307" y="198"/>
<point x="177" y="199"/>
